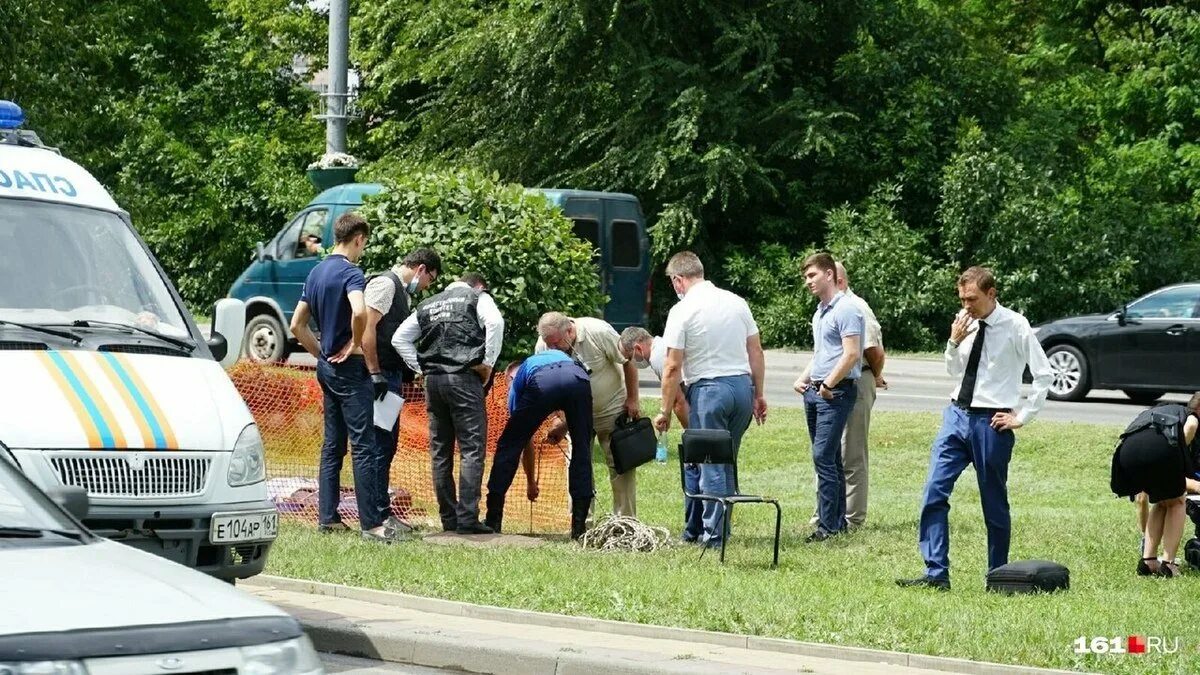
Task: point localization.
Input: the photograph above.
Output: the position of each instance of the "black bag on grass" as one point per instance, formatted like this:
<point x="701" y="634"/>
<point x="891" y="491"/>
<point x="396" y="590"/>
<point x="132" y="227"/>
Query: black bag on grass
<point x="633" y="443"/>
<point x="1029" y="576"/>
<point x="1191" y="552"/>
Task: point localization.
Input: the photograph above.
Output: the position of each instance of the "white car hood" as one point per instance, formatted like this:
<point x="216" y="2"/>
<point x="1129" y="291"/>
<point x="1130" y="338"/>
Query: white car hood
<point x="110" y="585"/>
<point x="77" y="399"/>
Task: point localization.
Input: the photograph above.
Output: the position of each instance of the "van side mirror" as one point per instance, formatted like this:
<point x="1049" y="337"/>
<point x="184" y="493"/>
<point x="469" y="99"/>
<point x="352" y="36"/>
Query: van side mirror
<point x="72" y="498"/>
<point x="229" y="324"/>
<point x="260" y="253"/>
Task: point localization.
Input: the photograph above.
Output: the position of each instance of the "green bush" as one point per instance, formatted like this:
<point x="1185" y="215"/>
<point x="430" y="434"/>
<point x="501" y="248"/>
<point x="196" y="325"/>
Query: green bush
<point x="523" y="245"/>
<point x="772" y="281"/>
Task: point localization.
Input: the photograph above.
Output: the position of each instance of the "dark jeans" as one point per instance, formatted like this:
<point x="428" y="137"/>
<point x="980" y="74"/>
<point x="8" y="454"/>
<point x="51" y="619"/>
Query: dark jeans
<point x="456" y="411"/>
<point x="349" y="398"/>
<point x="826" y="421"/>
<point x="559" y="386"/>
<point x="387" y="439"/>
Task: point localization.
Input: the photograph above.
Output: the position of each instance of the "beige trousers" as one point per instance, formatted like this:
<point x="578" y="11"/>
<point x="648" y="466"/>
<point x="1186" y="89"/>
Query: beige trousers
<point x="624" y="486"/>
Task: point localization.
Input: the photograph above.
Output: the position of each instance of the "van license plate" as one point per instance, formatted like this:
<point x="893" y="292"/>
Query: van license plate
<point x="229" y="528"/>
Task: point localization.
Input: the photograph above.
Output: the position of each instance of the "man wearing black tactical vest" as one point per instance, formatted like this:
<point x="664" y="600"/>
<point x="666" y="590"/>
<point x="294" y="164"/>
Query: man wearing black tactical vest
<point x="388" y="298"/>
<point x="454" y="339"/>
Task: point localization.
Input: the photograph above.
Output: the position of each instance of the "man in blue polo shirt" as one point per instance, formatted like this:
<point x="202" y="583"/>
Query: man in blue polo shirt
<point x="828" y="387"/>
<point x="546" y="382"/>
<point x="333" y="295"/>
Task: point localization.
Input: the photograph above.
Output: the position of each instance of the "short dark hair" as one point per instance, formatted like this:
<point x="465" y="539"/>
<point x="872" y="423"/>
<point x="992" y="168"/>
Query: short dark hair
<point x="822" y="261"/>
<point x="348" y="226"/>
<point x="423" y="256"/>
<point x="981" y="277"/>
<point x="474" y="280"/>
<point x="1193" y="403"/>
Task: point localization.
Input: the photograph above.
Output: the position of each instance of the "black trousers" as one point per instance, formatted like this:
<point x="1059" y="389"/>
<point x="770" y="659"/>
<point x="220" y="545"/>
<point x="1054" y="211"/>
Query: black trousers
<point x="561" y="386"/>
<point x="455" y="403"/>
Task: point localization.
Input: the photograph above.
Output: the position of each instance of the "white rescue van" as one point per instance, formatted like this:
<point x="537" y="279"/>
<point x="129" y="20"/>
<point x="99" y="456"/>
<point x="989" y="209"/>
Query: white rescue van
<point x="107" y="383"/>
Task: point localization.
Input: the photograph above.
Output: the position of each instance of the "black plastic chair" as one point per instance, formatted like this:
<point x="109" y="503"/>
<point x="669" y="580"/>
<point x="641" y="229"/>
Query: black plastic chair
<point x="715" y="446"/>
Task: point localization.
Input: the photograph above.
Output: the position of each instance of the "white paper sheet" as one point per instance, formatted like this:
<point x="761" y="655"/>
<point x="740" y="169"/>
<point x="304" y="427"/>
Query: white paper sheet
<point x="387" y="411"/>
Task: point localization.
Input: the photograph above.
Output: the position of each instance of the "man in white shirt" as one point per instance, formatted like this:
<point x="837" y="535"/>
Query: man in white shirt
<point x="989" y="347"/>
<point x="454" y="339"/>
<point x="595" y="344"/>
<point x="713" y="347"/>
<point x="650" y="351"/>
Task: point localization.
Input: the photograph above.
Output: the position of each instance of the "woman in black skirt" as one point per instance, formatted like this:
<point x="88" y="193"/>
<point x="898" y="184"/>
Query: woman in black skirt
<point x="1155" y="457"/>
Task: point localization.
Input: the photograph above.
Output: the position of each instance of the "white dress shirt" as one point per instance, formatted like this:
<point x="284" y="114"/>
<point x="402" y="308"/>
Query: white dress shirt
<point x="658" y="356"/>
<point x="490" y="319"/>
<point x="711" y="326"/>
<point x="1008" y="346"/>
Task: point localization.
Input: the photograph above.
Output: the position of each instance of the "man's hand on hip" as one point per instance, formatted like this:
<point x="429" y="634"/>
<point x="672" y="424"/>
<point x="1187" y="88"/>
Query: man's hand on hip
<point x="1003" y="421"/>
<point x="484" y="372"/>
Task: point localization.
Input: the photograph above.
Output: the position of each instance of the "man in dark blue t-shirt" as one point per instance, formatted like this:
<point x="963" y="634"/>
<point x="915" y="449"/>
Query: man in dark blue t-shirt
<point x="333" y="295"/>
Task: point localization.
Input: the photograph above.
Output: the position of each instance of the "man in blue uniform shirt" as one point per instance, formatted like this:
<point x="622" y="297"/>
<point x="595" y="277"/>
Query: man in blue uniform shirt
<point x="546" y="382"/>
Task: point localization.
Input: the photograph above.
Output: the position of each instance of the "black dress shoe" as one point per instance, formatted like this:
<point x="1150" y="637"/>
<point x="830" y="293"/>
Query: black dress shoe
<point x="819" y="535"/>
<point x="924" y="582"/>
<point x="477" y="528"/>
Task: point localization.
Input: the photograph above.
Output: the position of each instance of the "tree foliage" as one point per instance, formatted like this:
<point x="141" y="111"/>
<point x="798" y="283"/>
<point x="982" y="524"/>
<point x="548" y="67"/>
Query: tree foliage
<point x="515" y="238"/>
<point x="187" y="111"/>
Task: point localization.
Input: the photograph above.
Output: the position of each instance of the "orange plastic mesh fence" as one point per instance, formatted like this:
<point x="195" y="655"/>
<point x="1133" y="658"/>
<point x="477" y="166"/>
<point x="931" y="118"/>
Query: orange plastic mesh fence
<point x="286" y="402"/>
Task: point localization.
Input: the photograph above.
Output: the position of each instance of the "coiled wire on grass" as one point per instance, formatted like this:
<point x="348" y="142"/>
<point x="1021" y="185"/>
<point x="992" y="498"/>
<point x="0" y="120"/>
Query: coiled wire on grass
<point x="623" y="533"/>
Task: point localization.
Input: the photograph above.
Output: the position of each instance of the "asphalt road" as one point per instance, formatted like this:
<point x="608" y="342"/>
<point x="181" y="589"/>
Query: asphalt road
<point x="914" y="385"/>
<point x="922" y="385"/>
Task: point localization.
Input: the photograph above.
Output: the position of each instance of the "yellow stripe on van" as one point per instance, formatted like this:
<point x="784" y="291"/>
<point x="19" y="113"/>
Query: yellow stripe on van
<point x="148" y="395"/>
<point x="100" y="405"/>
<point x="90" y="428"/>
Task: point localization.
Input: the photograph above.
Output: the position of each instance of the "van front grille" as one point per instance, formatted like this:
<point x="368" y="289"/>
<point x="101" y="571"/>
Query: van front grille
<point x="133" y="474"/>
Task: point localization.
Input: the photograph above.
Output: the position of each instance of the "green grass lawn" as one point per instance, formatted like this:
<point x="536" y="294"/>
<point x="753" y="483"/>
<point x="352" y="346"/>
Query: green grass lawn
<point x="838" y="592"/>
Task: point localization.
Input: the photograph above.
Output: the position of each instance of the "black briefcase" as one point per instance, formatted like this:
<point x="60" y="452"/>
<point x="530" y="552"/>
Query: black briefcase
<point x="1029" y="576"/>
<point x="633" y="443"/>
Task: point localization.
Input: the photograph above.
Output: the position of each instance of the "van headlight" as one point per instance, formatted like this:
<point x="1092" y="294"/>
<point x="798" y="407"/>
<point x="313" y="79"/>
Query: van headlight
<point x="282" y="658"/>
<point x="247" y="464"/>
<point x="42" y="668"/>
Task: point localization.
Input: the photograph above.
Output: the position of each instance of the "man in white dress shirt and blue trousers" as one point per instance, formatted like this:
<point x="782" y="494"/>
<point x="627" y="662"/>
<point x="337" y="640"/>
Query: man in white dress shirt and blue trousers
<point x="989" y="347"/>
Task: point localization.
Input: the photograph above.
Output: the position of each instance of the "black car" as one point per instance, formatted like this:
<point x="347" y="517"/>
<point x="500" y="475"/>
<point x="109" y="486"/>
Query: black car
<point x="1147" y="348"/>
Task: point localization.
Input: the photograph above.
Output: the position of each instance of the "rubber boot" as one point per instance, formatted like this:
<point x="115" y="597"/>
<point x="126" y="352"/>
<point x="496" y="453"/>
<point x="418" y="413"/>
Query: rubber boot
<point x="579" y="514"/>
<point x="495" y="514"/>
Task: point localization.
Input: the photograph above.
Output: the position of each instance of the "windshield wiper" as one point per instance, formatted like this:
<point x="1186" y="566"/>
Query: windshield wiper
<point x="7" y="532"/>
<point x="64" y="334"/>
<point x="182" y="343"/>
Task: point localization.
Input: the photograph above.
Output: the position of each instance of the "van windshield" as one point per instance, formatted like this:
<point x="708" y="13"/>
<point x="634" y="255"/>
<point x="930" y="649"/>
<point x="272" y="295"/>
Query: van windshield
<point x="60" y="264"/>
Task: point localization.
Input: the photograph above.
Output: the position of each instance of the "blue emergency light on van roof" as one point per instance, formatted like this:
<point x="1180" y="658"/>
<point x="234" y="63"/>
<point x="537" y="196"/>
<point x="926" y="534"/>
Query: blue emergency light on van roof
<point x="11" y="115"/>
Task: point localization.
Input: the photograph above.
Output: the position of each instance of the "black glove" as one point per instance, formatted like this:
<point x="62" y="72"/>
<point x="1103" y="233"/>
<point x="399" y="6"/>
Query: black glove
<point x="381" y="385"/>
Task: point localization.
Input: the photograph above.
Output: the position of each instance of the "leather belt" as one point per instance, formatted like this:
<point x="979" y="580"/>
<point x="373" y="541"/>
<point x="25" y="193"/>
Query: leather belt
<point x="980" y="411"/>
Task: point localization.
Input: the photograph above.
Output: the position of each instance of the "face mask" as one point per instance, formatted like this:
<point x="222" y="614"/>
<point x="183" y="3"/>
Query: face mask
<point x="679" y="295"/>
<point x="640" y="364"/>
<point x="411" y="288"/>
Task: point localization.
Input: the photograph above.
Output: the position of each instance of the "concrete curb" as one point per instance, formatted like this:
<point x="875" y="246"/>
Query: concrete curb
<point x="351" y="640"/>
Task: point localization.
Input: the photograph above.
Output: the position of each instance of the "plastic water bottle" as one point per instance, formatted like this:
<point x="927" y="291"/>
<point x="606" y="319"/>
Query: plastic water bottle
<point x="660" y="453"/>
